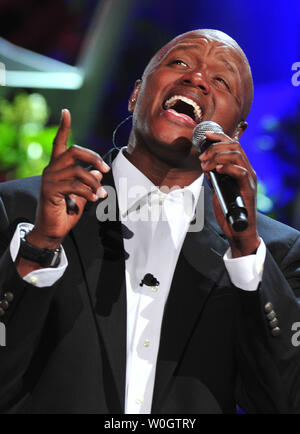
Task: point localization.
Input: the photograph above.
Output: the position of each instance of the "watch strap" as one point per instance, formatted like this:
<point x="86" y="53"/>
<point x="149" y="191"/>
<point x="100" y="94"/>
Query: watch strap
<point x="45" y="257"/>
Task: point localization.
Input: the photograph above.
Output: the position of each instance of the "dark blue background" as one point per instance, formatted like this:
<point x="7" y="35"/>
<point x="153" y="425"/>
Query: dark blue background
<point x="268" y="32"/>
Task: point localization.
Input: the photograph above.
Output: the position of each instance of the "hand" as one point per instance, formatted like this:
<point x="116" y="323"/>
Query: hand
<point x="227" y="157"/>
<point x="64" y="180"/>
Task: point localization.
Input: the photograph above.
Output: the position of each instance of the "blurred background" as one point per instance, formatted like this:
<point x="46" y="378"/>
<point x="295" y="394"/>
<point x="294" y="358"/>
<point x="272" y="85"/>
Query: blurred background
<point x="86" y="55"/>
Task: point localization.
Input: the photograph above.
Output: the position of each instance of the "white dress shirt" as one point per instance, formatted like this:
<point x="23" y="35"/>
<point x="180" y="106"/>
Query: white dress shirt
<point x="154" y="248"/>
<point x="156" y="224"/>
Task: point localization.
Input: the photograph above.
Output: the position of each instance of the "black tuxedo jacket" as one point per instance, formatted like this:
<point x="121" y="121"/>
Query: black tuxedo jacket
<point x="66" y="344"/>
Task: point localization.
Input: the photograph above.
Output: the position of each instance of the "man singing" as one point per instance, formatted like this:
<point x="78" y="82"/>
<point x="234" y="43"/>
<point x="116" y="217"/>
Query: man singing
<point x="145" y="315"/>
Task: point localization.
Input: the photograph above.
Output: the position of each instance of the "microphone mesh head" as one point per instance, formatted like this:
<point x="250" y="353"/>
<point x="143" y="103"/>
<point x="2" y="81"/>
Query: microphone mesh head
<point x="199" y="137"/>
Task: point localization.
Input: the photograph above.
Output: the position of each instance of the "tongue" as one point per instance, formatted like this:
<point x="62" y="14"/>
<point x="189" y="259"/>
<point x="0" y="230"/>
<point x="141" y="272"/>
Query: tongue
<point x="183" y="116"/>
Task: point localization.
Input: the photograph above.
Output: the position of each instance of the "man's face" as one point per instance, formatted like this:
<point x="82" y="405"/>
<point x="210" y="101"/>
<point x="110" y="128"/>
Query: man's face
<point x="194" y="79"/>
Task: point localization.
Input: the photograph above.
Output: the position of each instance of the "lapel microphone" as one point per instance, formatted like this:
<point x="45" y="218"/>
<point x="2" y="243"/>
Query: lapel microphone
<point x="149" y="280"/>
<point x="225" y="186"/>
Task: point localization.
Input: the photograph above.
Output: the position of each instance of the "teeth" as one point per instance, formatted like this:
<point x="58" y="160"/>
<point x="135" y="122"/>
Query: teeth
<point x="197" y="110"/>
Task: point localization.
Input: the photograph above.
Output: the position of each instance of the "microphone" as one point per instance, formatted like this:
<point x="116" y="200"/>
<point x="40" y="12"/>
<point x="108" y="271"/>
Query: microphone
<point x="225" y="186"/>
<point x="149" y="280"/>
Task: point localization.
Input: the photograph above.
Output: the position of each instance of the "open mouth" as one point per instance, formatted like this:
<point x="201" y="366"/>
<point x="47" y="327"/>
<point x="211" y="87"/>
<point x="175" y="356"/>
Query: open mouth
<point x="183" y="105"/>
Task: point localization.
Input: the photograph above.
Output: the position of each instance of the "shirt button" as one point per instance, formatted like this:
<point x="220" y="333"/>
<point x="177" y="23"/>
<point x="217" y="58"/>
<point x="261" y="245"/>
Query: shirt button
<point x="139" y="401"/>
<point x="161" y="200"/>
<point x="146" y="343"/>
<point x="154" y="288"/>
<point x="33" y="280"/>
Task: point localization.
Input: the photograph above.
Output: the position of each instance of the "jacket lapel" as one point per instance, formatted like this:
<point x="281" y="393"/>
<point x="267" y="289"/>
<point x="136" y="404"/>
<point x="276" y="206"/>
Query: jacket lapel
<point x="100" y="247"/>
<point x="200" y="266"/>
<point x="88" y="232"/>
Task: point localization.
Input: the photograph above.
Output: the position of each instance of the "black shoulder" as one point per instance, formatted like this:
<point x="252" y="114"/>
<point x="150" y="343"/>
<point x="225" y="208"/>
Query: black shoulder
<point x="27" y="186"/>
<point x="278" y="237"/>
<point x="19" y="197"/>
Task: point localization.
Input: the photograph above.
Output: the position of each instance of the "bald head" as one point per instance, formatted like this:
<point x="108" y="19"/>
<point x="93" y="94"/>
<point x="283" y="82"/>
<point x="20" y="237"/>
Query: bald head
<point x="221" y="39"/>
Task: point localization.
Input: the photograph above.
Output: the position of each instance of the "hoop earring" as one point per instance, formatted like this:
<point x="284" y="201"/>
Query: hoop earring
<point x="236" y="136"/>
<point x="117" y="129"/>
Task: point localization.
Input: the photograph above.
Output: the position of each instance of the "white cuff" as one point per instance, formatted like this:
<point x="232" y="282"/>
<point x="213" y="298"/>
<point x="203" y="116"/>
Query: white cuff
<point x="44" y="276"/>
<point x="246" y="272"/>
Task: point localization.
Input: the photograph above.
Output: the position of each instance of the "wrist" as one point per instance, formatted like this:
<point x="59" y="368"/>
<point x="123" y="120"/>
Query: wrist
<point x="36" y="238"/>
<point x="244" y="246"/>
<point x="25" y="266"/>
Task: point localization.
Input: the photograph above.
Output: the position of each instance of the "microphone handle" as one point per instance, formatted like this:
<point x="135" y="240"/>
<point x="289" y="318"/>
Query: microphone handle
<point x="230" y="200"/>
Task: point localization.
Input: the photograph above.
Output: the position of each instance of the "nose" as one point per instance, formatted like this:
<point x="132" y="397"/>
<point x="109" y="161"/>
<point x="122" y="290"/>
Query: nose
<point x="197" y="79"/>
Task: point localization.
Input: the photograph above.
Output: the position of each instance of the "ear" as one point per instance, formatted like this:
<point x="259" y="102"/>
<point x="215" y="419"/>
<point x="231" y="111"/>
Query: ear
<point x="134" y="96"/>
<point x="242" y="126"/>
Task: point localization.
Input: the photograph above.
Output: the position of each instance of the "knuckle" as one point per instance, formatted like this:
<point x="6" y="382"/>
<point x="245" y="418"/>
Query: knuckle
<point x="236" y="154"/>
<point x="75" y="147"/>
<point x="97" y="175"/>
<point x="95" y="154"/>
<point x="75" y="184"/>
<point x="86" y="191"/>
<point x="46" y="189"/>
<point x="78" y="171"/>
<point x="84" y="188"/>
<point x="46" y="170"/>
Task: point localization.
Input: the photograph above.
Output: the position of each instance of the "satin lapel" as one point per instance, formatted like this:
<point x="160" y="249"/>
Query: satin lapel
<point x="87" y="235"/>
<point x="200" y="266"/>
<point x="100" y="246"/>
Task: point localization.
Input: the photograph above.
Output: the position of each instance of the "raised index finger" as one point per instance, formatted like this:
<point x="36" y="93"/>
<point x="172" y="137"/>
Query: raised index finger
<point x="61" y="138"/>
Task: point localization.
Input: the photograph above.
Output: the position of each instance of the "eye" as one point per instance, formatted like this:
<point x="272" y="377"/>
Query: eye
<point x="178" y="62"/>
<point x="223" y="82"/>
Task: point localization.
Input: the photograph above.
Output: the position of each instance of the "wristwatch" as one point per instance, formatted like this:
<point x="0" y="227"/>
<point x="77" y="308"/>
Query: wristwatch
<point x="45" y="257"/>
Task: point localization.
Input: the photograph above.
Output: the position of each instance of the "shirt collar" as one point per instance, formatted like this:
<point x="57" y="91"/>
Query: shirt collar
<point x="132" y="185"/>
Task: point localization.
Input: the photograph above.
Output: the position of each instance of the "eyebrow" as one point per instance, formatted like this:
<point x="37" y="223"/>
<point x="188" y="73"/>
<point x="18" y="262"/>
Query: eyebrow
<point x="227" y="64"/>
<point x="186" y="47"/>
<point x="182" y="47"/>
